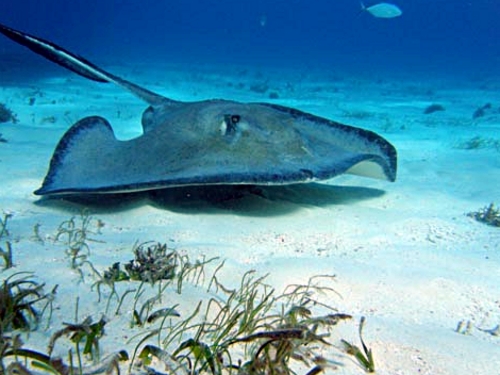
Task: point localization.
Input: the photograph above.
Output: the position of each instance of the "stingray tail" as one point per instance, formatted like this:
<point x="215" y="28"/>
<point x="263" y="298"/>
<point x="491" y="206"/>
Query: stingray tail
<point x="77" y="64"/>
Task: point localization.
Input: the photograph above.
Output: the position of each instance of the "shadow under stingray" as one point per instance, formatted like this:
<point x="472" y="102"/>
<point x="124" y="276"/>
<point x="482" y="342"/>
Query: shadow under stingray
<point x="246" y="200"/>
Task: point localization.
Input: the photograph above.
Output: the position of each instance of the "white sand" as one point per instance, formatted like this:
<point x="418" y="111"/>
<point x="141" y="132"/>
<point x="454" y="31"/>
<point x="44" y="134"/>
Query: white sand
<point x="405" y="255"/>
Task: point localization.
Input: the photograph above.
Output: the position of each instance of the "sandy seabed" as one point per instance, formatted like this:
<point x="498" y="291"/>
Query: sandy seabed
<point x="405" y="255"/>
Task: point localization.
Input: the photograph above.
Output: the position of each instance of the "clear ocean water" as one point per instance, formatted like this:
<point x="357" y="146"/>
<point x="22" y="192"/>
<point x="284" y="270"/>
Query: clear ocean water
<point x="431" y="37"/>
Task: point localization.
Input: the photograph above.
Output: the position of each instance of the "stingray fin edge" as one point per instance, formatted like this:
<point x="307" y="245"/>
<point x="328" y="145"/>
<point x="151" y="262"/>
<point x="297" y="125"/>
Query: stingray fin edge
<point x="84" y="127"/>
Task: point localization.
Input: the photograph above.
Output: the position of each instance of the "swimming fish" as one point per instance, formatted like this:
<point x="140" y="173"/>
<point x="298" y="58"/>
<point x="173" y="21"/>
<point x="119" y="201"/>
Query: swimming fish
<point x="204" y="143"/>
<point x="382" y="10"/>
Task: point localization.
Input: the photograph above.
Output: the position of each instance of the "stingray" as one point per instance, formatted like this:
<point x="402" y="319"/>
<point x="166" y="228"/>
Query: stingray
<point x="208" y="142"/>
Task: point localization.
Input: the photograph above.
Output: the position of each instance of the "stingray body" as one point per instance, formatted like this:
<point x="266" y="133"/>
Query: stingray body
<point x="202" y="143"/>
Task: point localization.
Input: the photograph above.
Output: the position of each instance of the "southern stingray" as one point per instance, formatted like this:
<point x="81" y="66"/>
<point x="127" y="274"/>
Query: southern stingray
<point x="209" y="142"/>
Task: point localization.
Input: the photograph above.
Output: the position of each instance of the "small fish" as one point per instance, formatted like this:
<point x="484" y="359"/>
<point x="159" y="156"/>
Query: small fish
<point x="382" y="10"/>
<point x="263" y="20"/>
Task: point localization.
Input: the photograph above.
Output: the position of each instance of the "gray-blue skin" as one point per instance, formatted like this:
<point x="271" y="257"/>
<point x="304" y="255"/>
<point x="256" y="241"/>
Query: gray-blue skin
<point x="210" y="142"/>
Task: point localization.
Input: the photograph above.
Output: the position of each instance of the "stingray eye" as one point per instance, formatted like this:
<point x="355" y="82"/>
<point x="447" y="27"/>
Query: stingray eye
<point x="228" y="126"/>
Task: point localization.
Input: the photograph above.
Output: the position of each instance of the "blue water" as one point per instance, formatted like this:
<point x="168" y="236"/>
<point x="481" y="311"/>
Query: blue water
<point x="452" y="37"/>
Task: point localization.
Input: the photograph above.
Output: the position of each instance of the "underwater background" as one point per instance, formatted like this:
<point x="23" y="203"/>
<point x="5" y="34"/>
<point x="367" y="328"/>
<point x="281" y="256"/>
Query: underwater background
<point x="432" y="37"/>
<point x="415" y="257"/>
